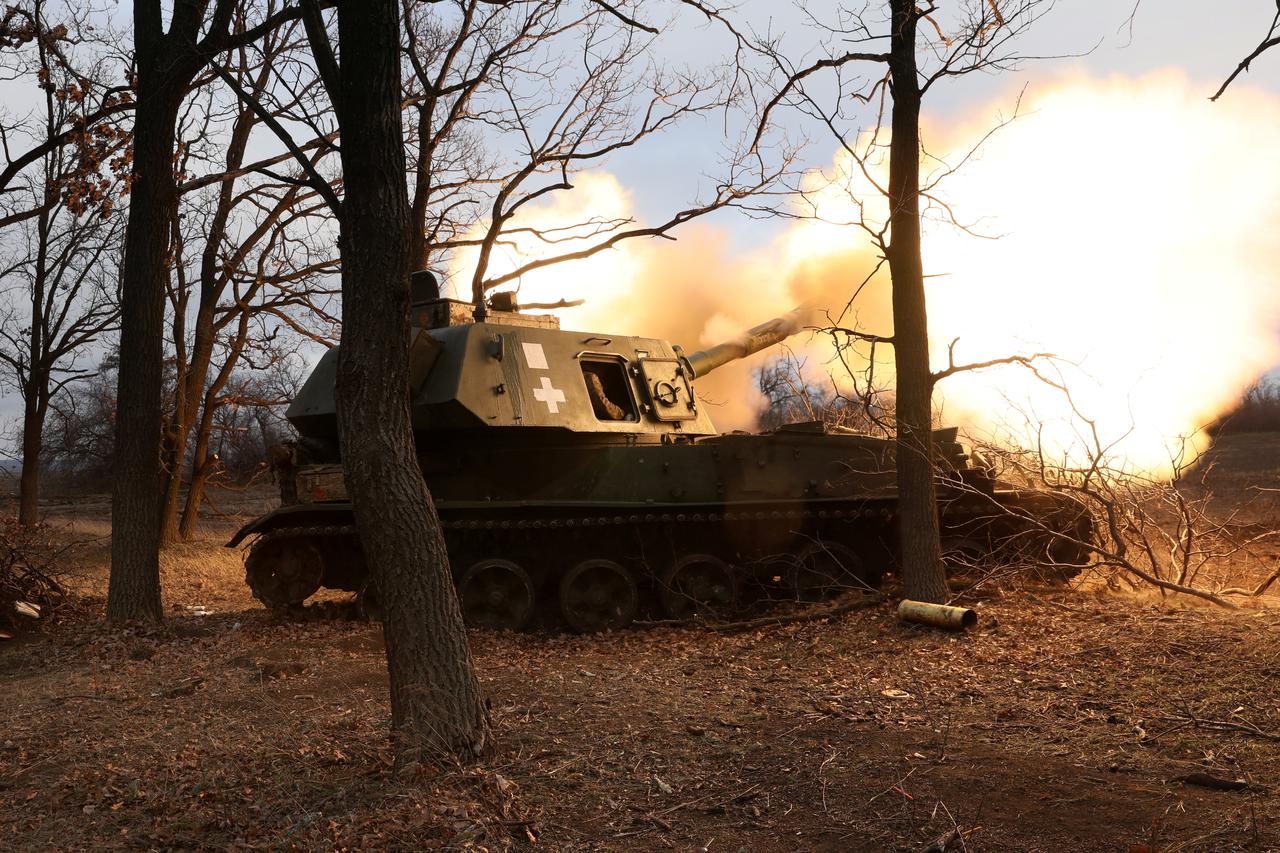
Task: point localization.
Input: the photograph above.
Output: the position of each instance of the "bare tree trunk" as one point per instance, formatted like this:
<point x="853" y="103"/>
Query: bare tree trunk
<point x="134" y="590"/>
<point x="29" y="482"/>
<point x="436" y="707"/>
<point x="201" y="467"/>
<point x="68" y="308"/>
<point x="36" y="382"/>
<point x="174" y="435"/>
<point x="421" y="195"/>
<point x="165" y="65"/>
<point x="922" y="573"/>
<point x="200" y="471"/>
<point x="186" y="410"/>
<point x="173" y="440"/>
<point x="191" y="385"/>
<point x="172" y="472"/>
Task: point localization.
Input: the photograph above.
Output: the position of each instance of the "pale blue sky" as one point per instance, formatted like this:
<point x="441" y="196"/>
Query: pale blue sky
<point x="1164" y="34"/>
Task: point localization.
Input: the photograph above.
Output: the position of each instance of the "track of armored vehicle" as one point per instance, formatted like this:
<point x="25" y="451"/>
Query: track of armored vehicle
<point x="579" y="478"/>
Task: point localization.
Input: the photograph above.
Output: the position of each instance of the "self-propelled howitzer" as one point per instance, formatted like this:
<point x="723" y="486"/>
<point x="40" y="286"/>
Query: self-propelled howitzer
<point x="579" y="473"/>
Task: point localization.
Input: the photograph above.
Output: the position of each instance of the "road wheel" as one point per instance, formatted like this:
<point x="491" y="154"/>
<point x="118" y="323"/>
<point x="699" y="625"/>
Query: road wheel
<point x="1064" y="558"/>
<point x="496" y="594"/>
<point x="961" y="555"/>
<point x="822" y="569"/>
<point x="283" y="571"/>
<point x="598" y="595"/>
<point x="699" y="585"/>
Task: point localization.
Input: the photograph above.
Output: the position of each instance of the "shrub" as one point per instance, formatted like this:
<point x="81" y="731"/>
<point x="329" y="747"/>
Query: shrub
<point x="28" y="560"/>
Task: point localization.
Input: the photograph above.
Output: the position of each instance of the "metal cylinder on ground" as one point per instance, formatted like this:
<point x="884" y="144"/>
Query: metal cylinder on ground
<point x="937" y="615"/>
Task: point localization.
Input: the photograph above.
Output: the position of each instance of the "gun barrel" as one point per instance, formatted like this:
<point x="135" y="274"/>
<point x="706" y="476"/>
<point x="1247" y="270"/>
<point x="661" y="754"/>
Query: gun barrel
<point x="748" y="343"/>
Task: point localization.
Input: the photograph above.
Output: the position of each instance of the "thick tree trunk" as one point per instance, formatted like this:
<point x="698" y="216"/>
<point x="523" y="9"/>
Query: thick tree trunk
<point x="35" y="393"/>
<point x="436" y="708"/>
<point x="922" y="573"/>
<point x="29" y="481"/>
<point x="134" y="590"/>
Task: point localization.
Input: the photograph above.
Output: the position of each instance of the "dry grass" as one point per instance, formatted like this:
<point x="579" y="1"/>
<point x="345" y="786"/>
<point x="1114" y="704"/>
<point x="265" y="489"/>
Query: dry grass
<point x="1062" y="723"/>
<point x="1066" y="721"/>
<point x="1243" y="473"/>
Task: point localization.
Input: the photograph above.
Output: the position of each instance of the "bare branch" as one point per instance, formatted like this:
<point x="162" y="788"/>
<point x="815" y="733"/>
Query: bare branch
<point x="1269" y="41"/>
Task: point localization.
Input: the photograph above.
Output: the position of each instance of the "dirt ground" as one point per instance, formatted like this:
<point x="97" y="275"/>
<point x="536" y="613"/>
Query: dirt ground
<point x="1069" y="720"/>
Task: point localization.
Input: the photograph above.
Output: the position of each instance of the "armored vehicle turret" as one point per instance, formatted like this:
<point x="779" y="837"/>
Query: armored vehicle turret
<point x="580" y="473"/>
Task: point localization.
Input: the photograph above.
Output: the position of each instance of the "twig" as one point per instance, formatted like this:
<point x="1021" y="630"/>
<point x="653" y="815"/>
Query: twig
<point x="943" y="842"/>
<point x="749" y="789"/>
<point x="812" y="614"/>
<point x="1170" y="730"/>
<point x="1057" y="604"/>
<point x="1222" y="725"/>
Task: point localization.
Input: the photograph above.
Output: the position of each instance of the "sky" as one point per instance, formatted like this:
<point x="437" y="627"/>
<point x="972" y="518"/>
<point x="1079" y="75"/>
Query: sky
<point x="1170" y="51"/>
<point x="1163" y="34"/>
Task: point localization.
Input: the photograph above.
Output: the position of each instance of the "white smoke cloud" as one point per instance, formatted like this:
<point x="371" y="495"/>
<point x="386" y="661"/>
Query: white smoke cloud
<point x="1138" y="222"/>
<point x="1137" y="227"/>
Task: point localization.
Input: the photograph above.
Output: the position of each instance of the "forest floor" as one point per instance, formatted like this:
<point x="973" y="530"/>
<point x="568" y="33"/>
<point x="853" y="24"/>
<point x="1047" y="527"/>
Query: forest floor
<point x="1070" y="719"/>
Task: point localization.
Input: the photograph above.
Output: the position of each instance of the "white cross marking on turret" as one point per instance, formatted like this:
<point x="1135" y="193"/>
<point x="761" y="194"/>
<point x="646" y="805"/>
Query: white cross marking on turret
<point x="553" y="397"/>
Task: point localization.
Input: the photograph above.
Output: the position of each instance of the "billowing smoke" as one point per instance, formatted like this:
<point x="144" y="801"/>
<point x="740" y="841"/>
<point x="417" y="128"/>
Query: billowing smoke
<point x="696" y="291"/>
<point x="1140" y="224"/>
<point x="1135" y="225"/>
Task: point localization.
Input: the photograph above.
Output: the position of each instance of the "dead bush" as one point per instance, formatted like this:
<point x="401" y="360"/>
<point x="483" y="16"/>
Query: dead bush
<point x="29" y="585"/>
<point x="1163" y="530"/>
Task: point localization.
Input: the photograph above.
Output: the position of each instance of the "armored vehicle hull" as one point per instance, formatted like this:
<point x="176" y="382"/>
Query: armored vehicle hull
<point x="579" y="474"/>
